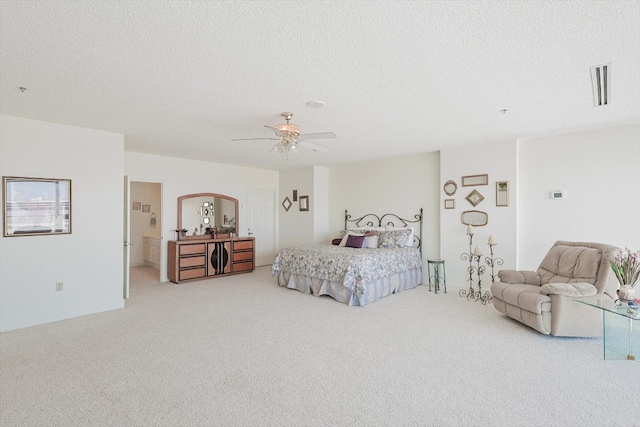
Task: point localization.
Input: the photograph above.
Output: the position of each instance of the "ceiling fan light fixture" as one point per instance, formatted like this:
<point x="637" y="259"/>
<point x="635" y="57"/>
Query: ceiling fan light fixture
<point x="289" y="138"/>
<point x="288" y="129"/>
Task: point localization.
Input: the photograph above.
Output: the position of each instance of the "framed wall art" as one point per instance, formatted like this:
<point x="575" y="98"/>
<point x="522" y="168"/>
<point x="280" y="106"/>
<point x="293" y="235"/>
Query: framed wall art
<point x="36" y="206"/>
<point x="449" y="203"/>
<point x="136" y="206"/>
<point x="146" y="208"/>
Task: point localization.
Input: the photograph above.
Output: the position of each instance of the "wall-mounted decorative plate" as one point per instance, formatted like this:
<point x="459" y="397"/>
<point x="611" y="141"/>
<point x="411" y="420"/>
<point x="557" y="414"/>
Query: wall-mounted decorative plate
<point x="475" y="198"/>
<point x="286" y="204"/>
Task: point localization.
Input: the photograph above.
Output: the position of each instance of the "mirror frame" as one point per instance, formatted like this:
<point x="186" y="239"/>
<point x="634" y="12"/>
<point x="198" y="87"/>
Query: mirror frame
<point x="477" y="224"/>
<point x="504" y="201"/>
<point x="303" y="203"/>
<point x="448" y="184"/>
<point x="192" y="196"/>
<point x="471" y="180"/>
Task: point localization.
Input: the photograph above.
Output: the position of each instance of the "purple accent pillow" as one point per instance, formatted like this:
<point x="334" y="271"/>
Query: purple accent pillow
<point x="336" y="241"/>
<point x="355" y="241"/>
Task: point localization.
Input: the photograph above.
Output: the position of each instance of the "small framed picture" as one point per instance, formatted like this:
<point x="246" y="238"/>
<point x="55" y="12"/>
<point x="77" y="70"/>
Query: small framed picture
<point x="449" y="203"/>
<point x="136" y="206"/>
<point x="146" y="208"/>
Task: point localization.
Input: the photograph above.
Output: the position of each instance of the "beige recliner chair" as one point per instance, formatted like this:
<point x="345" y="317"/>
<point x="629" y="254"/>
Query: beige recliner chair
<point x="544" y="299"/>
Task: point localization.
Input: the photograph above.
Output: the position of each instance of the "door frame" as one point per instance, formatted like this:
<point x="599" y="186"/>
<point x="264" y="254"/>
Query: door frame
<point x="275" y="225"/>
<point x="127" y="212"/>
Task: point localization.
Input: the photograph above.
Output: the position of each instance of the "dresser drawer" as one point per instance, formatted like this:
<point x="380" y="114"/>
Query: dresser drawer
<point x="192" y="261"/>
<point x="194" y="273"/>
<point x="242" y="256"/>
<point x="242" y="244"/>
<point x="243" y="266"/>
<point x="197" y="248"/>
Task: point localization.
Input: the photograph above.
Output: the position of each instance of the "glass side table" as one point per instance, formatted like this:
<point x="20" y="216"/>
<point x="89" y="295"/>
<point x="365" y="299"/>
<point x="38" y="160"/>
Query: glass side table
<point x="620" y="329"/>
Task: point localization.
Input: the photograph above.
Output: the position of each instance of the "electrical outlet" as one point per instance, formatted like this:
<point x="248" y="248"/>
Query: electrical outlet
<point x="59" y="286"/>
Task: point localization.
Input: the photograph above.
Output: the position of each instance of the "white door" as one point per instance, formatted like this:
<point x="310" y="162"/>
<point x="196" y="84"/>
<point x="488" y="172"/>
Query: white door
<point x="261" y="224"/>
<point x="126" y="231"/>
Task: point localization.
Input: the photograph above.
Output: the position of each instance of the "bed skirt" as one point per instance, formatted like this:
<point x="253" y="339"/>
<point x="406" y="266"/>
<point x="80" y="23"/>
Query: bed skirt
<point x="373" y="291"/>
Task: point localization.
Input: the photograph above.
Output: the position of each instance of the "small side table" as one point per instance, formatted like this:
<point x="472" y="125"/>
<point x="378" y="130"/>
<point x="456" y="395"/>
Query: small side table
<point x="620" y="339"/>
<point x="439" y="273"/>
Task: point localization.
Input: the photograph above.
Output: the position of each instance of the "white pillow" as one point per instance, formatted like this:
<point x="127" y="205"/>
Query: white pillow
<point x="370" y="242"/>
<point x="410" y="239"/>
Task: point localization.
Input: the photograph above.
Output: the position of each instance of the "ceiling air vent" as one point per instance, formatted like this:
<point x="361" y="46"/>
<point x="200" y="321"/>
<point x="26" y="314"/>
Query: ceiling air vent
<point x="601" y="82"/>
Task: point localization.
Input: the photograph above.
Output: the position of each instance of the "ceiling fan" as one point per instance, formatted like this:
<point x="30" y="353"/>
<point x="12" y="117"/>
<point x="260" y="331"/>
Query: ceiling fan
<point x="290" y="139"/>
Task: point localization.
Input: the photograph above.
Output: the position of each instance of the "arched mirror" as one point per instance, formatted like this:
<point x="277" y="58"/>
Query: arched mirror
<point x="199" y="213"/>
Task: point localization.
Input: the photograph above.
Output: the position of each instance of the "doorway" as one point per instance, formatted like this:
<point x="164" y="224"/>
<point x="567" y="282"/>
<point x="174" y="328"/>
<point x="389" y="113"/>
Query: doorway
<point x="145" y="237"/>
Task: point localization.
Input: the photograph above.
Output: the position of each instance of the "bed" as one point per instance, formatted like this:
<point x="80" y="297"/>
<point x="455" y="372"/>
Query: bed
<point x="376" y="256"/>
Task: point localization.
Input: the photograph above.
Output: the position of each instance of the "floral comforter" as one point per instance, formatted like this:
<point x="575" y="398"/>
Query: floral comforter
<point x="350" y="266"/>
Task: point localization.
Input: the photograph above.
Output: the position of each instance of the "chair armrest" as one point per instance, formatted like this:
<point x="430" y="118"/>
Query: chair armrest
<point x="578" y="289"/>
<point x="519" y="276"/>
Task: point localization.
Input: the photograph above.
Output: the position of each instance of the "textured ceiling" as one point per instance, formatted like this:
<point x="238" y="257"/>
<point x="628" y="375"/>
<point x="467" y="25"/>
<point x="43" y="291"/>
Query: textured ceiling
<point x="397" y="78"/>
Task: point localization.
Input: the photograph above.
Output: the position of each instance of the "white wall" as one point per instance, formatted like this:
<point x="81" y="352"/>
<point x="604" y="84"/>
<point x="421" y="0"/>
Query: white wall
<point x="296" y="227"/>
<point x="401" y="186"/>
<point x="181" y="176"/>
<point x="598" y="169"/>
<point x="499" y="161"/>
<point x="600" y="172"/>
<point x="88" y="261"/>
<point x="320" y="206"/>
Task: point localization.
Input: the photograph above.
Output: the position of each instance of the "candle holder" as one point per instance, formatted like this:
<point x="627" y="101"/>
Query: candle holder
<point x="468" y="256"/>
<point x="492" y="261"/>
<point x="474" y="293"/>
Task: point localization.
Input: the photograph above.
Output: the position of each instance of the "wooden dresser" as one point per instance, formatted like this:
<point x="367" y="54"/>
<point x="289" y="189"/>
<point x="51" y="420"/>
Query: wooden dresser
<point x="201" y="259"/>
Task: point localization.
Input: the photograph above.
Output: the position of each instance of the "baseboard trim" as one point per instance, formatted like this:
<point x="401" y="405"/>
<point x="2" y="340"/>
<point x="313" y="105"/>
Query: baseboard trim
<point x="40" y="319"/>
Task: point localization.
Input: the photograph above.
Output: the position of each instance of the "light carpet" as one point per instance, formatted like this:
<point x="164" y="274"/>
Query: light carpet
<point x="242" y="351"/>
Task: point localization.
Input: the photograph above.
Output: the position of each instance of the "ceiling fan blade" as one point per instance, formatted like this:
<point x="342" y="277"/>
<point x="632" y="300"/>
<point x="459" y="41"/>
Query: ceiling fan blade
<point x="315" y="147"/>
<point x="320" y="135"/>
<point x="253" y="139"/>
<point x="280" y="134"/>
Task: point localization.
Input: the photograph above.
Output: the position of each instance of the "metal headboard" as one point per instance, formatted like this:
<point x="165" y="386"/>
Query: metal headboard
<point x="393" y="220"/>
